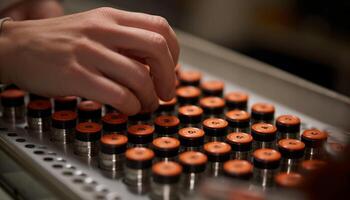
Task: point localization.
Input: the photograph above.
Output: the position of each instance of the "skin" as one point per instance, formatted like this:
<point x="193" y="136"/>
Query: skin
<point x="33" y="9"/>
<point x="120" y="58"/>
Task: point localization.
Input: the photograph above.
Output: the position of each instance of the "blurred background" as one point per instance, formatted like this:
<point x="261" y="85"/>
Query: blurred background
<point x="310" y="39"/>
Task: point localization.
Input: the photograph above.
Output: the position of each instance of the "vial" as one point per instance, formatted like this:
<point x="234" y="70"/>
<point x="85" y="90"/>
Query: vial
<point x="264" y="136"/>
<point x="266" y="163"/>
<point x="334" y="150"/>
<point x="12" y="101"/>
<point x="166" y="107"/>
<point x="166" y="176"/>
<point x="238" y="121"/>
<point x="215" y="129"/>
<point x="114" y="122"/>
<point x="194" y="165"/>
<point x="236" y="101"/>
<point x="238" y="169"/>
<point x="137" y="170"/>
<point x="89" y="111"/>
<point x="292" y="151"/>
<point x="166" y="125"/>
<point x="212" y="106"/>
<point x="140" y="135"/>
<point x="188" y="95"/>
<point x="87" y="136"/>
<point x="166" y="148"/>
<point x="241" y="144"/>
<point x="33" y="97"/>
<point x="110" y="109"/>
<point x="288" y="127"/>
<point x="218" y="153"/>
<point x="212" y="88"/>
<point x="66" y="103"/>
<point x="291" y="180"/>
<point x="39" y="115"/>
<point x="112" y="152"/>
<point x="63" y="126"/>
<point x="10" y="86"/>
<point x="140" y="118"/>
<point x="310" y="166"/>
<point x="190" y="116"/>
<point x="263" y="112"/>
<point x="189" y="77"/>
<point x="314" y="141"/>
<point x="191" y="139"/>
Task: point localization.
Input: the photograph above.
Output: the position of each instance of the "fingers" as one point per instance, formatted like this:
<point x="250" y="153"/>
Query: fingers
<point x="149" y="46"/>
<point x="96" y="87"/>
<point x="152" y="23"/>
<point x="123" y="70"/>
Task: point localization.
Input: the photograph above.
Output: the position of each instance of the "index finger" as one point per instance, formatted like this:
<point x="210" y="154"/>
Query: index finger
<point x="152" y="23"/>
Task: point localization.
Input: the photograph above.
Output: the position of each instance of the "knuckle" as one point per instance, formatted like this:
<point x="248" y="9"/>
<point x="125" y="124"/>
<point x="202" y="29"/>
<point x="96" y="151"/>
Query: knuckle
<point x="105" y="10"/>
<point x="158" y="40"/>
<point x="92" y="23"/>
<point x="161" y="23"/>
<point x="97" y="25"/>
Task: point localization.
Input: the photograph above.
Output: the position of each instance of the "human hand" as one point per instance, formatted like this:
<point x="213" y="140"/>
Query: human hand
<point x="98" y="54"/>
<point x="33" y="9"/>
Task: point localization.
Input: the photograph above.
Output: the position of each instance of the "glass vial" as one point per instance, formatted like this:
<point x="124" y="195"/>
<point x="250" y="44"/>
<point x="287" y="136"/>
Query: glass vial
<point x="218" y="153"/>
<point x="241" y="144"/>
<point x="87" y="136"/>
<point x="238" y="120"/>
<point x="63" y="126"/>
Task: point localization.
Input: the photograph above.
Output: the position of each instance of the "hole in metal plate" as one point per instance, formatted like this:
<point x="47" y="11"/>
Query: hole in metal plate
<point x="20" y="140"/>
<point x="39" y="152"/>
<point x="78" y="180"/>
<point x="57" y="166"/>
<point x="29" y="146"/>
<point x="48" y="159"/>
<point x="67" y="173"/>
<point x="12" y="134"/>
<point x="3" y="129"/>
